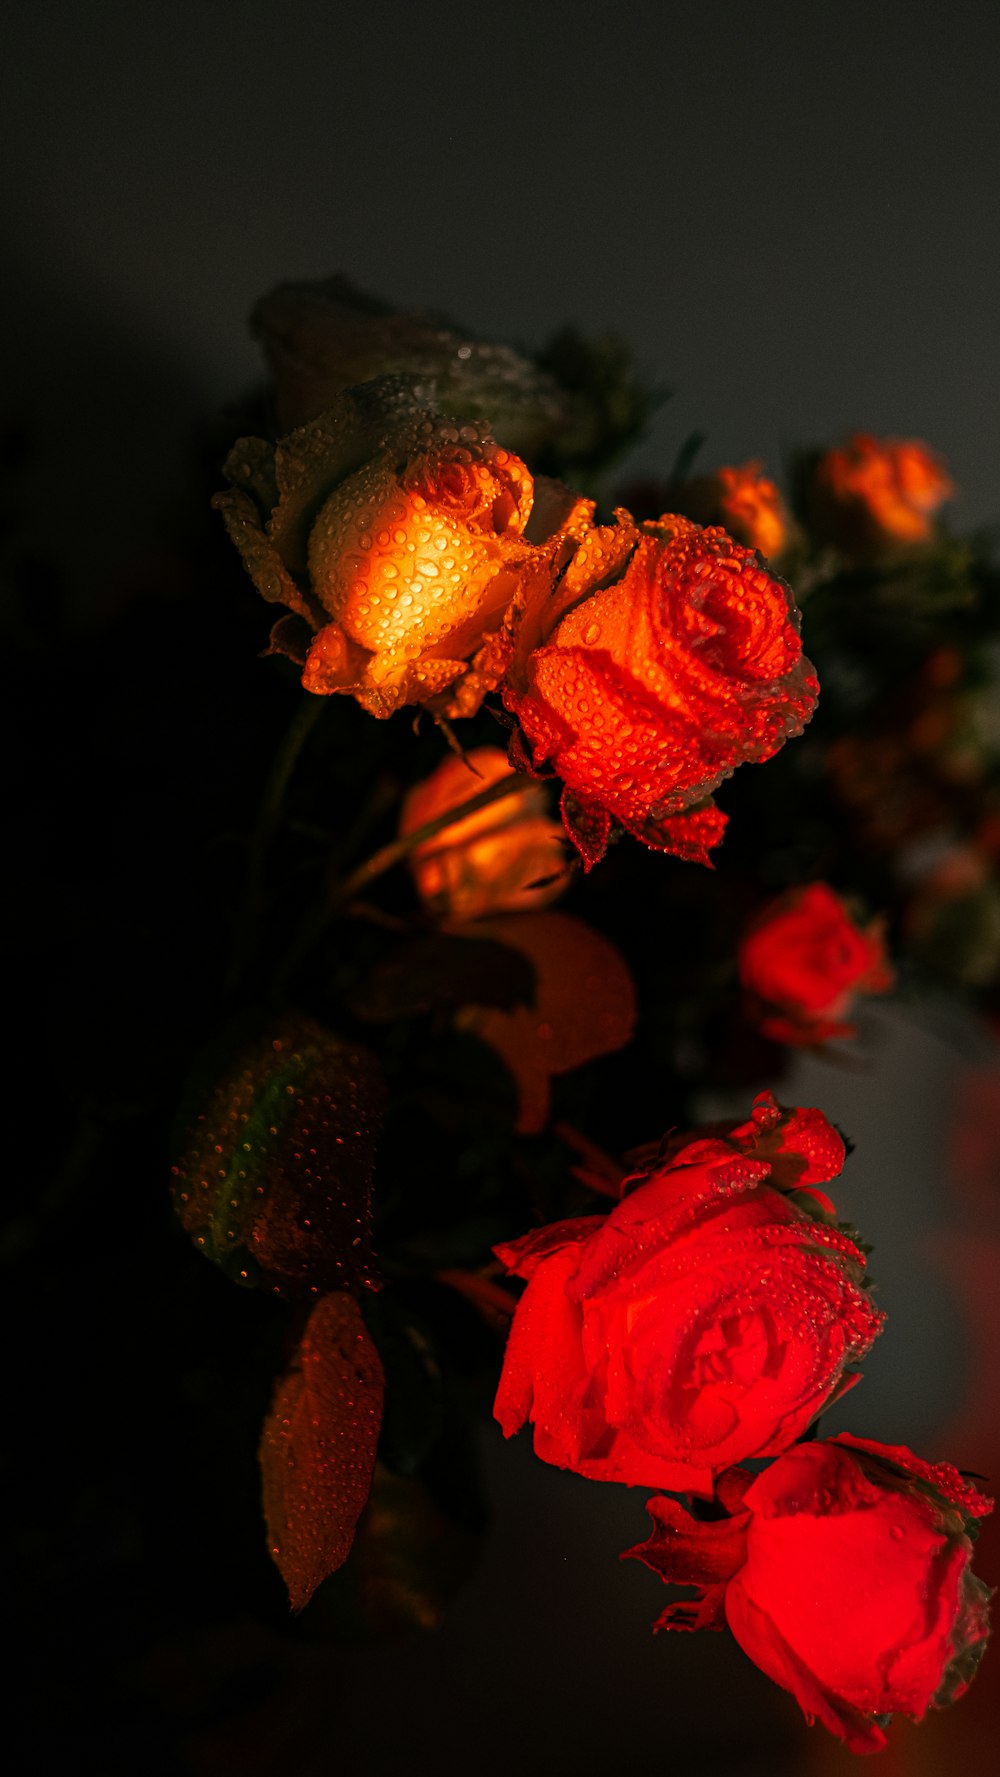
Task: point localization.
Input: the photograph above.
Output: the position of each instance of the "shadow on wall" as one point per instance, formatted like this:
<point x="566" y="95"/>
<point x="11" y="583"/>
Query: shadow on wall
<point x="100" y="417"/>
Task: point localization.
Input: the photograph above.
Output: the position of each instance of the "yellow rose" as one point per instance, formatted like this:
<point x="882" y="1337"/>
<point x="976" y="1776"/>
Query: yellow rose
<point x="396" y="537"/>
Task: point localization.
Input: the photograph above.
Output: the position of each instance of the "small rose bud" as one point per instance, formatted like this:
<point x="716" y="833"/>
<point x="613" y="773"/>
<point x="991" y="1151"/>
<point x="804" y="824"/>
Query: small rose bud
<point x="804" y="958"/>
<point x="506" y="858"/>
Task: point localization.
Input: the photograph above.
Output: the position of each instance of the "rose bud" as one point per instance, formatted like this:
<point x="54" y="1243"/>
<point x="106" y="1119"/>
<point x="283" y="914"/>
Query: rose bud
<point x="843" y="1572"/>
<point x="506" y="858"/>
<point x="665" y="656"/>
<point x="877" y="493"/>
<point x="322" y="338"/>
<point x="803" y="959"/>
<point x="395" y="536"/>
<point x="572" y="408"/>
<point x="745" y="502"/>
<point x="707" y="1319"/>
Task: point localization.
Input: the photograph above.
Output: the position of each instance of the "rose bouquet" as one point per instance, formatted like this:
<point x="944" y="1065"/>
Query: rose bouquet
<point x="504" y="692"/>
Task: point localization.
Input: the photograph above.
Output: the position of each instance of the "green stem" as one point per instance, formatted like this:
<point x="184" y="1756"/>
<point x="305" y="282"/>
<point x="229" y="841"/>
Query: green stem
<point x="344" y="892"/>
<point x="268" y="820"/>
<point x="398" y="849"/>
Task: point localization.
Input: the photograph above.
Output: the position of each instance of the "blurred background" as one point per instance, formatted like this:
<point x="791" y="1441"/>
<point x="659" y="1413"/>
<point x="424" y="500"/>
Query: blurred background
<point x="791" y="216"/>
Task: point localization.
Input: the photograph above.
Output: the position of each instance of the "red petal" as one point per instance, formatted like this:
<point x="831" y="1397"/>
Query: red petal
<point x="522" y="1257"/>
<point x="769" y="1650"/>
<point x="588" y="826"/>
<point x="707" y="1611"/>
<point x="690" y="835"/>
<point x="686" y="1551"/>
<point x="545" y="1321"/>
<point x="941" y="1477"/>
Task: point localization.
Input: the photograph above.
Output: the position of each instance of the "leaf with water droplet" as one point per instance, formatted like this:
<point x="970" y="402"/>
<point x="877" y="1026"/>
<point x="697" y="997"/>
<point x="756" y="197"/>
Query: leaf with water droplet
<point x="317" y="1451"/>
<point x="274" y="1177"/>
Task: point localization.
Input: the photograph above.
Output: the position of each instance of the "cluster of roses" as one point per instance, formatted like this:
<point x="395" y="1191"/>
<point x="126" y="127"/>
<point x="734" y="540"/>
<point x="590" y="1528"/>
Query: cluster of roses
<point x="424" y="564"/>
<point x="866" y="498"/>
<point x="706" y="1322"/>
<point x="719" y="1308"/>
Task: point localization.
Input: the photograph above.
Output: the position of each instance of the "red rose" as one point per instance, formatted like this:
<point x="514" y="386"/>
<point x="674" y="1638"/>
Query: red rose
<point x="804" y="958"/>
<point x="663" y="657"/>
<point x="844" y="1575"/>
<point x="708" y="1318"/>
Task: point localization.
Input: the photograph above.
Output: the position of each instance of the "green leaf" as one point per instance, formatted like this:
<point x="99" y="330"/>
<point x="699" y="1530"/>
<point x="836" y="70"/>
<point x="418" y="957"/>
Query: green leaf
<point x="274" y="1179"/>
<point x="440" y="970"/>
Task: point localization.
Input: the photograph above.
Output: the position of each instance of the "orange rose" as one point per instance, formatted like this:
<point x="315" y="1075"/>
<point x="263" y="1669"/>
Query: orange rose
<point x="393" y="532"/>
<point x="745" y="503"/>
<point x="506" y="858"/>
<point x="665" y="657"/>
<point x="876" y="492"/>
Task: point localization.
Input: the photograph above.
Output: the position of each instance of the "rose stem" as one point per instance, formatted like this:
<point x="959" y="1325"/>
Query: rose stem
<point x="382" y="860"/>
<point x="268" y="818"/>
<point x="397" y="849"/>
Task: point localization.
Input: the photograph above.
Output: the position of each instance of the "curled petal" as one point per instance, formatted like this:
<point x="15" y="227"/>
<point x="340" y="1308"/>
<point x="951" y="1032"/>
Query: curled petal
<point x="665" y="656"/>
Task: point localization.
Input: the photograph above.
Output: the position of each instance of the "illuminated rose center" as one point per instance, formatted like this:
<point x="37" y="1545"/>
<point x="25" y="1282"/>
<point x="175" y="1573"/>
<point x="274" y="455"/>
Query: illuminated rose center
<point x="734" y="1350"/>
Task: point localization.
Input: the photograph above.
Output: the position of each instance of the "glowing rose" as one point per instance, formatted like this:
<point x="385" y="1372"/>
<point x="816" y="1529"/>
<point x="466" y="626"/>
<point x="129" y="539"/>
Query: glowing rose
<point x="395" y="536"/>
<point x="708" y="1318"/>
<point x="877" y="492"/>
<point x="843" y="1572"/>
<point x="803" y="960"/>
<point x="665" y="656"/>
<point x="505" y="858"/>
<point x="745" y="502"/>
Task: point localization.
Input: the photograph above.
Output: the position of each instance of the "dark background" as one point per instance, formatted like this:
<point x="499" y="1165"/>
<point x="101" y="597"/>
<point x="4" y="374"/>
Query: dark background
<point x="790" y="213"/>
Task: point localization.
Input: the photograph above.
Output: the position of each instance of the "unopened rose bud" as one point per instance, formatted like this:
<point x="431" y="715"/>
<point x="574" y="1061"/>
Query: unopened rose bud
<point x="506" y="858"/>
